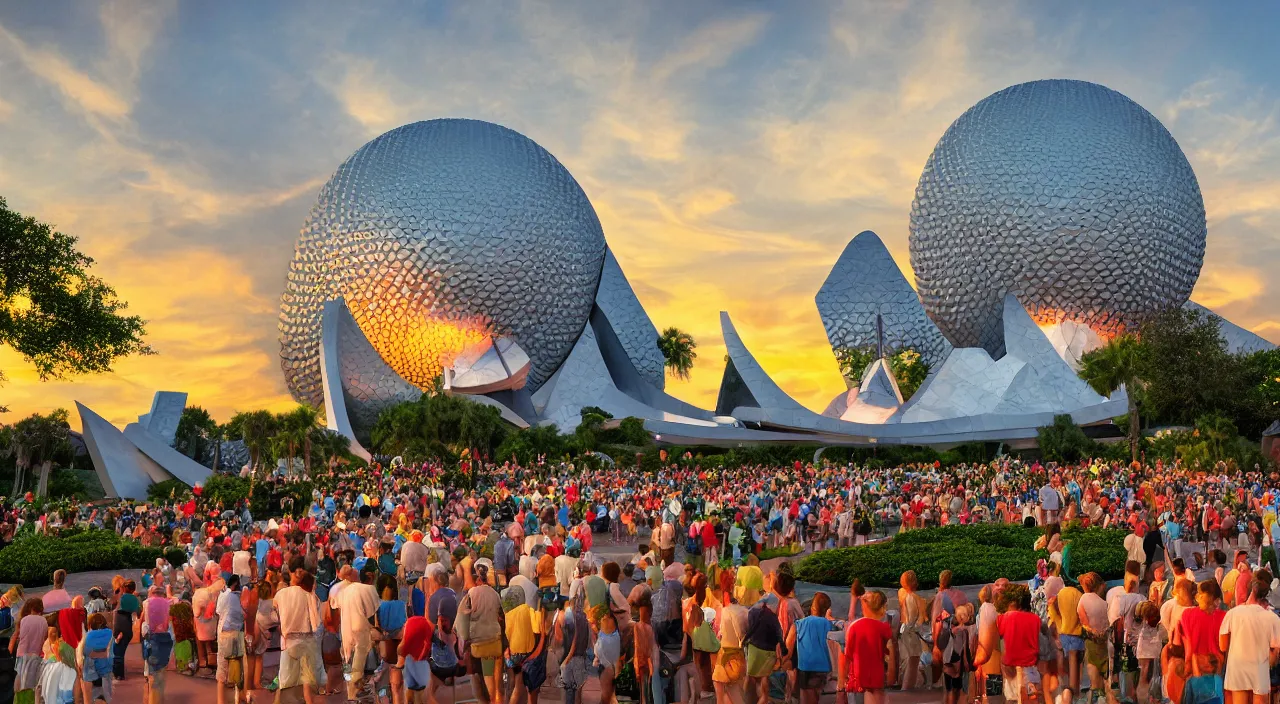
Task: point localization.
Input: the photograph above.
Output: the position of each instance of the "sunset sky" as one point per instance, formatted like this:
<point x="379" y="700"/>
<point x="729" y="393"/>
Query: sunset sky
<point x="731" y="149"/>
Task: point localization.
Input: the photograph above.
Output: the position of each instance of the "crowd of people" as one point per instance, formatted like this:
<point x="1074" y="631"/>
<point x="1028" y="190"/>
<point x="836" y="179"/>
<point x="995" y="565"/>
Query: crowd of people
<point x="395" y="582"/>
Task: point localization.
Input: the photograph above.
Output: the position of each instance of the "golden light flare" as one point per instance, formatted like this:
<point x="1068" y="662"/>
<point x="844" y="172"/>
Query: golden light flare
<point x="418" y="347"/>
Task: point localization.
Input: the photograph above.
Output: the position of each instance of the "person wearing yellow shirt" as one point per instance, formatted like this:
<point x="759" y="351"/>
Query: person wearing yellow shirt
<point x="1064" y="614"/>
<point x="523" y="626"/>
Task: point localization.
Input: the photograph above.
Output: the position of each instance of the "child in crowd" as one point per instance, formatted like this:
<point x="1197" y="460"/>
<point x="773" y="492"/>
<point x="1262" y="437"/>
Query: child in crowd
<point x="96" y="673"/>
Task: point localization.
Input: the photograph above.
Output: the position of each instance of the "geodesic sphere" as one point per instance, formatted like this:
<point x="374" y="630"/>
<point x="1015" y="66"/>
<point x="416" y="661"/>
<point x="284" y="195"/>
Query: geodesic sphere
<point x="439" y="234"/>
<point x="1065" y="193"/>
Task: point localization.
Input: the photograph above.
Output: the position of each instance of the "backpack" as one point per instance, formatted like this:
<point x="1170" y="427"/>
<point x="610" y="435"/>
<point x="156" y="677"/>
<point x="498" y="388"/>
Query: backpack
<point x="704" y="639"/>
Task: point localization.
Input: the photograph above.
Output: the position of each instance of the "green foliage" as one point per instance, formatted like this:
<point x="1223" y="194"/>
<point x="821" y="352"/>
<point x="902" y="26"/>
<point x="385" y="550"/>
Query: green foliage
<point x="170" y="490"/>
<point x="1116" y="364"/>
<point x="1212" y="440"/>
<point x="853" y="362"/>
<point x="631" y="432"/>
<point x="976" y="554"/>
<point x="678" y="349"/>
<point x="58" y="316"/>
<point x="1064" y="441"/>
<point x="528" y="444"/>
<point x="1261" y="372"/>
<point x="65" y="484"/>
<point x="255" y="429"/>
<point x="196" y="433"/>
<point x="227" y="489"/>
<point x="36" y="441"/>
<point x="438" y="425"/>
<point x="32" y="559"/>
<point x="1186" y="367"/>
<point x="909" y="370"/>
<point x="266" y="499"/>
<point x="293" y="435"/>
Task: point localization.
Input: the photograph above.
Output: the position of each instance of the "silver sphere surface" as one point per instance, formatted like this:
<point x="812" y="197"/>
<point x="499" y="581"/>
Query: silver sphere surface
<point x="1065" y="193"/>
<point x="439" y="234"/>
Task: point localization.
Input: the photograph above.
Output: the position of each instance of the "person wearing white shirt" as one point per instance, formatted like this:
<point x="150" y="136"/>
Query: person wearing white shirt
<point x="1250" y="636"/>
<point x="299" y="615"/>
<point x="357" y="602"/>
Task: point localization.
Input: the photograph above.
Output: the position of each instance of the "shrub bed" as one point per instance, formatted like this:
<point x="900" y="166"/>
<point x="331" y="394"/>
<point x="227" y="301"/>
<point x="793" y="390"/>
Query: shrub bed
<point x="32" y="559"/>
<point x="976" y="554"/>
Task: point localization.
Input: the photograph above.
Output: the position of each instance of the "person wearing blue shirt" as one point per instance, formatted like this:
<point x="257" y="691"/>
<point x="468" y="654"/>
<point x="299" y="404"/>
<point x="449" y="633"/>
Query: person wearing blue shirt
<point x="808" y="640"/>
<point x="563" y="515"/>
<point x="260" y="547"/>
<point x="330" y="507"/>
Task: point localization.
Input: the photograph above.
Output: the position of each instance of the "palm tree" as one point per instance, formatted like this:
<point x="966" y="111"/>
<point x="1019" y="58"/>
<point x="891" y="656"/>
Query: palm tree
<point x="1116" y="364"/>
<point x="677" y="349"/>
<point x="285" y="444"/>
<point x="255" y="429"/>
<point x="1217" y="431"/>
<point x="329" y="444"/>
<point x="300" y="422"/>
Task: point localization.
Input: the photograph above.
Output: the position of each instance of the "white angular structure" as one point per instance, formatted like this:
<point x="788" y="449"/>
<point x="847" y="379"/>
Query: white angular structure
<point x="1030" y="378"/>
<point x="874" y="400"/>
<point x="166" y="412"/>
<point x="866" y="302"/>
<point x="493" y="365"/>
<point x="636" y="334"/>
<point x="128" y="462"/>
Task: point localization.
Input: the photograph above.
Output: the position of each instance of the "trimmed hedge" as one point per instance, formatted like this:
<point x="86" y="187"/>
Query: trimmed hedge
<point x="976" y="554"/>
<point x="32" y="559"/>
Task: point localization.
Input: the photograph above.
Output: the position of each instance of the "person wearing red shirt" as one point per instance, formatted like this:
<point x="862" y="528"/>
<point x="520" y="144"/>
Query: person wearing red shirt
<point x="1019" y="629"/>
<point x="1197" y="633"/>
<point x="415" y="657"/>
<point x="868" y="641"/>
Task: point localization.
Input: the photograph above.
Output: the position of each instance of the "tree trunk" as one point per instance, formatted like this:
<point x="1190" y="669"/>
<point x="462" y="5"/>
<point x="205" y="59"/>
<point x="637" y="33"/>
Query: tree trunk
<point x="17" y="480"/>
<point x="217" y="454"/>
<point x="1134" y="430"/>
<point x="42" y="489"/>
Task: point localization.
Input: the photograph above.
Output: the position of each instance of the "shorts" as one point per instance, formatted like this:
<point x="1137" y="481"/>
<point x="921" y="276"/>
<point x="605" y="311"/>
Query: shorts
<point x="1095" y="654"/>
<point x="811" y="680"/>
<point x="444" y="673"/>
<point x="955" y="684"/>
<point x="417" y="674"/>
<point x="1028" y="677"/>
<point x="1071" y="644"/>
<point x="730" y="666"/>
<point x="760" y="662"/>
<point x="228" y="642"/>
<point x="301" y="663"/>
